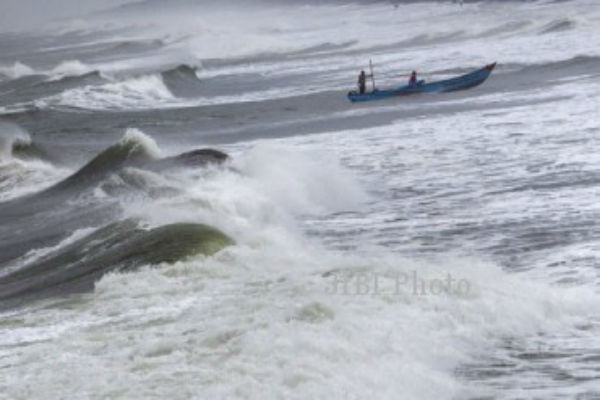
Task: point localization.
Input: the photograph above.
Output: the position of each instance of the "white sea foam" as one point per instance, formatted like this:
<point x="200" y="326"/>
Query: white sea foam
<point x="301" y="179"/>
<point x="260" y="319"/>
<point x="142" y="92"/>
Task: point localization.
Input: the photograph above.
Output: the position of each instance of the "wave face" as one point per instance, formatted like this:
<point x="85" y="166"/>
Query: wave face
<point x="182" y="81"/>
<point x="190" y="207"/>
<point x="133" y="149"/>
<point x="90" y="196"/>
<point x="119" y="246"/>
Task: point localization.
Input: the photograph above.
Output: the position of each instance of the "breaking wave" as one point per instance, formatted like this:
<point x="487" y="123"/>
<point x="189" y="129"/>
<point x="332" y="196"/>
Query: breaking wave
<point x="134" y="149"/>
<point x="23" y="164"/>
<point x="69" y="266"/>
<point x="148" y="91"/>
<point x="277" y="282"/>
<point x="62" y="70"/>
<point x="223" y="198"/>
<point x="70" y="68"/>
<point x="116" y="247"/>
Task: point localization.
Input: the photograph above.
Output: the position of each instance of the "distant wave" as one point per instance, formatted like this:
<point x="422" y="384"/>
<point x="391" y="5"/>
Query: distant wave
<point x="582" y="64"/>
<point x="325" y="47"/>
<point x="182" y="80"/>
<point x="15" y="71"/>
<point x="558" y="25"/>
<point x="62" y="70"/>
<point x="534" y="73"/>
<point x="69" y="68"/>
<point x="24" y="165"/>
<point x="182" y="71"/>
<point x="31" y="93"/>
<point x="130" y="46"/>
<point x="74" y="84"/>
<point x="519" y="77"/>
<point x="65" y="69"/>
<point x="143" y="92"/>
<point x="13" y="140"/>
<point x="67" y="81"/>
<point x="509" y="27"/>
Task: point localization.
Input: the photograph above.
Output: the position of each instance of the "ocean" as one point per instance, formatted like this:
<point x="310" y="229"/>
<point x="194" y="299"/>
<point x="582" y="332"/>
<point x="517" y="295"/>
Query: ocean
<point x="191" y="208"/>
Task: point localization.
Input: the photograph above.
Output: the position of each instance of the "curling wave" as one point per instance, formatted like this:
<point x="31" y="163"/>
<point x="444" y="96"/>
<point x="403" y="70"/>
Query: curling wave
<point x="118" y="246"/>
<point x="143" y="92"/>
<point x="80" y="200"/>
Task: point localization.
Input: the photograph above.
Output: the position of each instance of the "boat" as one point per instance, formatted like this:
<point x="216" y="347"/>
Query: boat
<point x="462" y="82"/>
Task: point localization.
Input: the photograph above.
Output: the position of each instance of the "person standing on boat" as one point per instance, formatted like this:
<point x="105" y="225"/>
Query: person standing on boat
<point x="362" y="82"/>
<point x="413" y="78"/>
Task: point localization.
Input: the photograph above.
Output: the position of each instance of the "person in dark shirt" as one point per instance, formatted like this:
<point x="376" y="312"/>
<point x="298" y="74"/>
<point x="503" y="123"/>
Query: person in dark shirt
<point x="362" y="82"/>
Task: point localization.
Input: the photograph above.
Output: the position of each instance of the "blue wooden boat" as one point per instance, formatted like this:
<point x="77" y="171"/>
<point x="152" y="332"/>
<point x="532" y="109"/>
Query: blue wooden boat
<point x="448" y="85"/>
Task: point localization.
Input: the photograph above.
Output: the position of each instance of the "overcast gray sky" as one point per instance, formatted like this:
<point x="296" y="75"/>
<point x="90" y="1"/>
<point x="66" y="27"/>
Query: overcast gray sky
<point x="16" y="14"/>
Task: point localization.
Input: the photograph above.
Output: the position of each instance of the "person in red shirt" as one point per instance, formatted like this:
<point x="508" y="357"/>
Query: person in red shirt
<point x="413" y="78"/>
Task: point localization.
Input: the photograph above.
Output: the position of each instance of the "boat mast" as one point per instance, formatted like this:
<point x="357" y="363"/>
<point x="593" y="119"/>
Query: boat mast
<point x="372" y="75"/>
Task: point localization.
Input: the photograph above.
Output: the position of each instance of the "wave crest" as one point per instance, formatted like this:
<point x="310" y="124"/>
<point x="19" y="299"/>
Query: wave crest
<point x="182" y="80"/>
<point x="15" y="71"/>
<point x="134" y="148"/>
<point x="70" y="68"/>
<point x="134" y="93"/>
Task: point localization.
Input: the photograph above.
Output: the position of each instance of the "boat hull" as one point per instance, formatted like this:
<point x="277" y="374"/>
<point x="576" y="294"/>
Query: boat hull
<point x="462" y="82"/>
